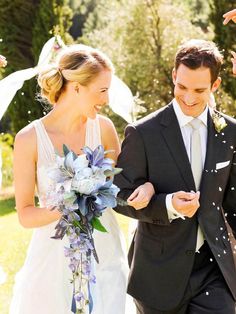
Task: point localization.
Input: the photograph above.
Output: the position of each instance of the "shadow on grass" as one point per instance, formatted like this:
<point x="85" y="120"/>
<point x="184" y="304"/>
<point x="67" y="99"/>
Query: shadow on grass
<point x="7" y="206"/>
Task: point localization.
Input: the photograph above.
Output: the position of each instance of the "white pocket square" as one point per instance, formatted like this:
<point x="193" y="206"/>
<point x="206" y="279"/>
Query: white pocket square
<point x="221" y="165"/>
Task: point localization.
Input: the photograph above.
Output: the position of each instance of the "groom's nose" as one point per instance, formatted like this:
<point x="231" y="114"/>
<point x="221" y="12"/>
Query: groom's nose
<point x="189" y="99"/>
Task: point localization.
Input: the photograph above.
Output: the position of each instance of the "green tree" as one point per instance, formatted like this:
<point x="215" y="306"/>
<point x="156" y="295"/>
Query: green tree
<point x="81" y="10"/>
<point x="225" y="38"/>
<point x="25" y="27"/>
<point x="198" y="11"/>
<point x="142" y="40"/>
<point x="16" y="21"/>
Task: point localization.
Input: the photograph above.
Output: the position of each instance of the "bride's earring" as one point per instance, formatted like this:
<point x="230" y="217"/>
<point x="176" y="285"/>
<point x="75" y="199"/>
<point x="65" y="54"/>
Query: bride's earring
<point x="77" y="90"/>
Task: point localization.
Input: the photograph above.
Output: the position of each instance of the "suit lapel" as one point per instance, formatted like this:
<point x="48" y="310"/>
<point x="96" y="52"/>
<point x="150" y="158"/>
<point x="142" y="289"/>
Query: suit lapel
<point x="173" y="137"/>
<point x="213" y="149"/>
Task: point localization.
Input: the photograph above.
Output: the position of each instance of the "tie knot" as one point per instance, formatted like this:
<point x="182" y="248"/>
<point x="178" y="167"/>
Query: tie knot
<point x="195" y="123"/>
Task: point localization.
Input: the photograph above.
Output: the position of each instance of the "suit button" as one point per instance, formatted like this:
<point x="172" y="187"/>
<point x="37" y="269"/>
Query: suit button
<point x="156" y="221"/>
<point x="189" y="252"/>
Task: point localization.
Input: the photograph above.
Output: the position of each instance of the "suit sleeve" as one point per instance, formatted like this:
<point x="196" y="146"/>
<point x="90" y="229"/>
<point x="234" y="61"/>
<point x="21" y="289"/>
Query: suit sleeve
<point x="133" y="161"/>
<point x="229" y="202"/>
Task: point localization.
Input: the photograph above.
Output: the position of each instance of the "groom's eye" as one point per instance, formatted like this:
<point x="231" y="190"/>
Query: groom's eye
<point x="181" y="87"/>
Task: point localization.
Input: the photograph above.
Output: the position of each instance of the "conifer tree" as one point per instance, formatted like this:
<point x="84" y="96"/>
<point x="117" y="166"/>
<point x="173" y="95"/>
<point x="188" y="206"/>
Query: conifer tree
<point x="24" y="27"/>
<point x="225" y="38"/>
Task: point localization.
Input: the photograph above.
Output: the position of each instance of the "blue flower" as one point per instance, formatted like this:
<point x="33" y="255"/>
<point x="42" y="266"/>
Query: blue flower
<point x="97" y="158"/>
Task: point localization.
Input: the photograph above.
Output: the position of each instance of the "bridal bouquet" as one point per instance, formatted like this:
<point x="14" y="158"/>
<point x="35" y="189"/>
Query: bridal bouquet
<point x="83" y="190"/>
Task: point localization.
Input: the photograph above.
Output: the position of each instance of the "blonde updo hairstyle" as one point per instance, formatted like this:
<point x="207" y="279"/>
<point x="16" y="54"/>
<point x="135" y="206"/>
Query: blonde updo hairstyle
<point x="77" y="63"/>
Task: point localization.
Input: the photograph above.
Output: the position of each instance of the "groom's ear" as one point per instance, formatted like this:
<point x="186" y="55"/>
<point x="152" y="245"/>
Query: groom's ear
<point x="174" y="76"/>
<point x="216" y="84"/>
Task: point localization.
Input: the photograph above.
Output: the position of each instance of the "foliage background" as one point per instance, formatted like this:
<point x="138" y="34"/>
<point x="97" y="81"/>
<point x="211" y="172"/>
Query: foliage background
<point x="140" y="37"/>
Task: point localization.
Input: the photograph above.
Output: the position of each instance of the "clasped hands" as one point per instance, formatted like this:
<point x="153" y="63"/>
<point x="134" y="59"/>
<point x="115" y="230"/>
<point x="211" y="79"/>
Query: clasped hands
<point x="185" y="203"/>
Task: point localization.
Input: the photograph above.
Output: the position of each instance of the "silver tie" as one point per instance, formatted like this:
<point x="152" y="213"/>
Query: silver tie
<point x="196" y="152"/>
<point x="197" y="166"/>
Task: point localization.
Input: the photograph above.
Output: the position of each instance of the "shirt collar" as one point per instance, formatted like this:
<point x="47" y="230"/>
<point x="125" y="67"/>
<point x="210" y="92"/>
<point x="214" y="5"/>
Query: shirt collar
<point x="183" y="119"/>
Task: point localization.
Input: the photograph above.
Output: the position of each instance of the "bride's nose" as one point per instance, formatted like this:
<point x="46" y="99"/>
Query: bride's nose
<point x="105" y="99"/>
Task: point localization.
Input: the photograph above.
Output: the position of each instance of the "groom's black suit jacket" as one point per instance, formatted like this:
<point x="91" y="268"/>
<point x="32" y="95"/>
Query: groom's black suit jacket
<point x="162" y="254"/>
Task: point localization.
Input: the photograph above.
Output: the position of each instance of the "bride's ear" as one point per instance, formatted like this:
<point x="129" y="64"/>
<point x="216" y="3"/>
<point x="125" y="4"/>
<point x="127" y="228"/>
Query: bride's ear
<point x="75" y="87"/>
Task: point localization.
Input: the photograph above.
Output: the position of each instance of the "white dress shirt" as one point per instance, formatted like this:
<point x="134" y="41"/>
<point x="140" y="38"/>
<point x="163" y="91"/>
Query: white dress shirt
<point x="186" y="131"/>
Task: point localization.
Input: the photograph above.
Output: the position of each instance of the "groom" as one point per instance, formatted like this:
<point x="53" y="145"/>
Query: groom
<point x="181" y="259"/>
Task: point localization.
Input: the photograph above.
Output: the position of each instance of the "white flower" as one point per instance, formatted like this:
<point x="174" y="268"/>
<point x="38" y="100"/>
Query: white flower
<point x="64" y="186"/>
<point x="80" y="162"/>
<point x="69" y="160"/>
<point x="69" y="200"/>
<point x="219" y="122"/>
<point x="85" y="181"/>
<point x="60" y="161"/>
<point x="55" y="174"/>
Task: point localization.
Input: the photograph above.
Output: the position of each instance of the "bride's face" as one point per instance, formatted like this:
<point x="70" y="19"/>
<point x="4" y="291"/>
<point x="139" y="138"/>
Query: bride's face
<point x="94" y="96"/>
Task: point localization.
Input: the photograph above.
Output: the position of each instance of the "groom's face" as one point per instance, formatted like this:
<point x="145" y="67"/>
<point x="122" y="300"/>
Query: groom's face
<point x="193" y="88"/>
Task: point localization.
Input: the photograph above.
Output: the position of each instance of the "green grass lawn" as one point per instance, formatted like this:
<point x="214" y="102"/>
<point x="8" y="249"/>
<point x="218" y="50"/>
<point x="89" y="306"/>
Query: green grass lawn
<point x="13" y="244"/>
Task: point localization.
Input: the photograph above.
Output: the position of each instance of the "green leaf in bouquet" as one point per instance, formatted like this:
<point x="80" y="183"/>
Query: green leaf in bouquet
<point x="121" y="202"/>
<point x="65" y="150"/>
<point x="77" y="224"/>
<point x="96" y="223"/>
<point x="109" y="151"/>
<point x="113" y="172"/>
<point x="117" y="171"/>
<point x="57" y="152"/>
<point x="108" y="173"/>
<point x="74" y="155"/>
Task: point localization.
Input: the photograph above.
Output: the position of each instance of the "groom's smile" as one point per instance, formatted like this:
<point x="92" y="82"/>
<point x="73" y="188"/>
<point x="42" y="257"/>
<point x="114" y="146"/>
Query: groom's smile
<point x="193" y="88"/>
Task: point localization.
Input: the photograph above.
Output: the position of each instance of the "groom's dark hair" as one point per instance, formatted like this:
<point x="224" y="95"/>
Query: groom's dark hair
<point x="200" y="53"/>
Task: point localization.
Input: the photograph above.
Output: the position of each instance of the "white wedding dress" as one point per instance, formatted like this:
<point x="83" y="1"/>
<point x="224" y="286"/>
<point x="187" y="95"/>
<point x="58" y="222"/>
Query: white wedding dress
<point x="43" y="284"/>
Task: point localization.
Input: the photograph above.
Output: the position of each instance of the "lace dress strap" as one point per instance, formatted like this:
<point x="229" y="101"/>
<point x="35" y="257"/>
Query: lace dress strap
<point x="93" y="133"/>
<point x="44" y="145"/>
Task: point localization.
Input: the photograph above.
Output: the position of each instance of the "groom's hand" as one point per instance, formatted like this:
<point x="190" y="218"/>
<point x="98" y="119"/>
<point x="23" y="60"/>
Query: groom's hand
<point x="186" y="203"/>
<point x="141" y="196"/>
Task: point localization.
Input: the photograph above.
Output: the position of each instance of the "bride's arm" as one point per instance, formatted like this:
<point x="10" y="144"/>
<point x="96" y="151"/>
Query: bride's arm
<point x="141" y="197"/>
<point x="25" y="158"/>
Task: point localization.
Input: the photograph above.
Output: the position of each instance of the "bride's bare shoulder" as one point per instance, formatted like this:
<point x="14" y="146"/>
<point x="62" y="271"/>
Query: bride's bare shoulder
<point x="105" y="123"/>
<point x="26" y="138"/>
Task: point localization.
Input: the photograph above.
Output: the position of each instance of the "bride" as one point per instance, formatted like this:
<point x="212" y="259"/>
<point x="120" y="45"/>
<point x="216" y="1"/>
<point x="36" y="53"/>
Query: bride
<point x="77" y="88"/>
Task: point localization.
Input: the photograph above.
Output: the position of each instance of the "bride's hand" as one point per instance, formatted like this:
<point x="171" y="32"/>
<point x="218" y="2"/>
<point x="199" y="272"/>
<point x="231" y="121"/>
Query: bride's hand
<point x="234" y="62"/>
<point x="141" y="197"/>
